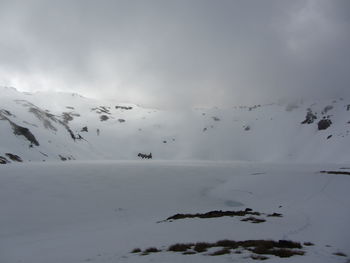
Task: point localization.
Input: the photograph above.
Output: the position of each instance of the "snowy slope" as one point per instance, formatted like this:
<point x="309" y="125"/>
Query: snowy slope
<point x="100" y="211"/>
<point x="259" y="133"/>
<point x="266" y="158"/>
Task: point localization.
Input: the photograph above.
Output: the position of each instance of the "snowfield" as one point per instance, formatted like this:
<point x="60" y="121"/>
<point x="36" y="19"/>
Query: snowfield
<point x="100" y="211"/>
<point x="247" y="174"/>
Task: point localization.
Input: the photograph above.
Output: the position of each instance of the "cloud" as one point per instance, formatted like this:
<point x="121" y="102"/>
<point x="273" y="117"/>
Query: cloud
<point x="177" y="53"/>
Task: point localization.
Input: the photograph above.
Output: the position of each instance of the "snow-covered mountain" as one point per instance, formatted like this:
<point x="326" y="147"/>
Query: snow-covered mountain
<point x="52" y="126"/>
<point x="197" y="200"/>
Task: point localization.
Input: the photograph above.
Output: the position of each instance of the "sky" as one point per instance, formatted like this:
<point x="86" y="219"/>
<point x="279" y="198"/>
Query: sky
<point x="179" y="53"/>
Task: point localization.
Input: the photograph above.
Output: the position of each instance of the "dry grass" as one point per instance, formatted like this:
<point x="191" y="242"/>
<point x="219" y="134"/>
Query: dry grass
<point x="214" y="214"/>
<point x="261" y="248"/>
<point x="340" y="254"/>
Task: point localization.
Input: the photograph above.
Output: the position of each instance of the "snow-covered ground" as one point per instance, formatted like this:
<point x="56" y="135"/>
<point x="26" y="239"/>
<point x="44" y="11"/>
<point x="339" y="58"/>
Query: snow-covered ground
<point x="99" y="211"/>
<point x="117" y="131"/>
<point x="266" y="158"/>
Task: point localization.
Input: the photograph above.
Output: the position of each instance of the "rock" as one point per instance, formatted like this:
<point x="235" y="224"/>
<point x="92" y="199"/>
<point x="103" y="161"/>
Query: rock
<point x="123" y="107"/>
<point x="104" y="117"/>
<point x="326" y="109"/>
<point x="324" y="124"/>
<point x="310" y="117"/>
<point x="3" y="160"/>
<point x="14" y="157"/>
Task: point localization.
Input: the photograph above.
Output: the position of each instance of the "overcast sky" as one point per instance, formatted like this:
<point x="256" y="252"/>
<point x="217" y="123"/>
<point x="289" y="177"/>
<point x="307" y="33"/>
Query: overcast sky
<point x="179" y="52"/>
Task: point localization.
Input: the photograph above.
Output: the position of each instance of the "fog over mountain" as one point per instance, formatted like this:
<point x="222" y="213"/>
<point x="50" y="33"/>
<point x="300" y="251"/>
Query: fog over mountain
<point x="178" y="53"/>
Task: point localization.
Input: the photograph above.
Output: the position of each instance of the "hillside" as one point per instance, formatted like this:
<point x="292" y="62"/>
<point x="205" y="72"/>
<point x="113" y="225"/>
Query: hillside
<point x="47" y="126"/>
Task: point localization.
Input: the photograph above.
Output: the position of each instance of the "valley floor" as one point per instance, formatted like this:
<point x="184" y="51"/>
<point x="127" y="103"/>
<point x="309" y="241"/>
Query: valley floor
<point x="100" y="211"/>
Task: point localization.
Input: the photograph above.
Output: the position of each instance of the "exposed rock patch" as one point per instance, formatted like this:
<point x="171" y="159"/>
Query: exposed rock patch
<point x="102" y="110"/>
<point x="3" y="160"/>
<point x="324" y="124"/>
<point x="123" y="107"/>
<point x="327" y="109"/>
<point x="259" y="248"/>
<point x="14" y="157"/>
<point x="310" y="117"/>
<point x="335" y="172"/>
<point x="104" y="117"/>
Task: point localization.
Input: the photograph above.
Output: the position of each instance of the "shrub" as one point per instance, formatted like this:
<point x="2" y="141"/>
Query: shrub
<point x="201" y="247"/>
<point x="152" y="250"/>
<point x="180" y="247"/>
<point x="136" y="250"/>
<point x="221" y="252"/>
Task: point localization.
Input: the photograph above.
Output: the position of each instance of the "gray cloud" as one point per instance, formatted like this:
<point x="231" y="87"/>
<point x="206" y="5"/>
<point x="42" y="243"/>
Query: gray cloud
<point x="184" y="52"/>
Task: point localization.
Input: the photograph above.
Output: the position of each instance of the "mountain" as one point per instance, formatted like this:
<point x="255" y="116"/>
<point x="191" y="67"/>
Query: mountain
<point x="48" y="126"/>
<point x="219" y="184"/>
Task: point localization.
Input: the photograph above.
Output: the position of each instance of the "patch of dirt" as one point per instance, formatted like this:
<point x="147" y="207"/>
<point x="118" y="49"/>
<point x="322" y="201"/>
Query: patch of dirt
<point x="123" y="107"/>
<point x="6" y="112"/>
<point x="327" y="109"/>
<point x="102" y="110"/>
<point x="19" y="130"/>
<point x="3" y="160"/>
<point x="340" y="254"/>
<point x="104" y="117"/>
<point x="14" y="157"/>
<point x="214" y="214"/>
<point x="253" y="220"/>
<point x="46" y="118"/>
<point x="259" y="248"/>
<point x="324" y="124"/>
<point x="335" y="172"/>
<point x="310" y="117"/>
<point x="220" y="213"/>
<point x="275" y="215"/>
<point x="66" y="158"/>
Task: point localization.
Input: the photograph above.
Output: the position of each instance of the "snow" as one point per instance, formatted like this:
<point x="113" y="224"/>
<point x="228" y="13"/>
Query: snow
<point x="104" y="201"/>
<point x="275" y="135"/>
<point x="100" y="211"/>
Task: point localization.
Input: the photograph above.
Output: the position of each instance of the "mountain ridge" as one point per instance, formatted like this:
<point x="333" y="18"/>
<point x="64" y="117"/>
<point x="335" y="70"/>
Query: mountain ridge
<point x="49" y="126"/>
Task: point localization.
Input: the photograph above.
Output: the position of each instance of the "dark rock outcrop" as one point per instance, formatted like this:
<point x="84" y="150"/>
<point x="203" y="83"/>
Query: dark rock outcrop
<point x="104" y="117"/>
<point x="14" y="157"/>
<point x="145" y="156"/>
<point x="123" y="107"/>
<point x="310" y="117"/>
<point x="3" y="160"/>
<point x="324" y="124"/>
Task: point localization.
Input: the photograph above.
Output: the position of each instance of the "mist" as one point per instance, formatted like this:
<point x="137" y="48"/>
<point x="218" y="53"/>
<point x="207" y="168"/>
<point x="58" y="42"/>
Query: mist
<point x="178" y="53"/>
